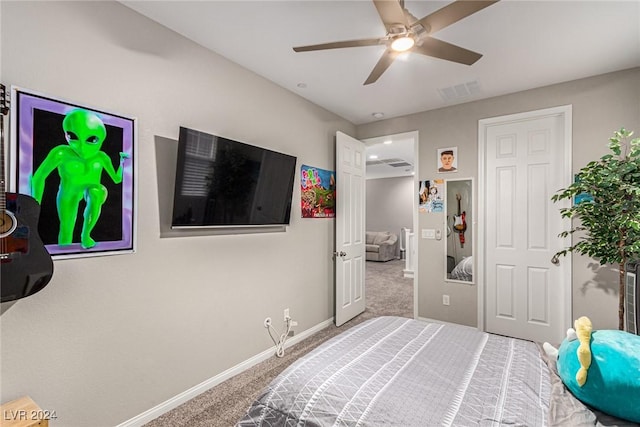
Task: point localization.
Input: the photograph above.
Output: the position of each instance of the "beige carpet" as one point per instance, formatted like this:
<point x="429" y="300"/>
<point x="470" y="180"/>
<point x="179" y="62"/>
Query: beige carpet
<point x="387" y="293"/>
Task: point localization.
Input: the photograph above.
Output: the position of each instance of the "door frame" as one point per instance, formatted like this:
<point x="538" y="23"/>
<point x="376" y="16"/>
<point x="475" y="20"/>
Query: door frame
<point x="565" y="111"/>
<point x="415" y="136"/>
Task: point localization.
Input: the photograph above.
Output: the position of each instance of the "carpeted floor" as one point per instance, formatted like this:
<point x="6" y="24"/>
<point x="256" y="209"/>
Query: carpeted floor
<point x="387" y="293"/>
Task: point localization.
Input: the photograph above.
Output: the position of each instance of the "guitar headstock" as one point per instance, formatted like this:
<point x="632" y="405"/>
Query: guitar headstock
<point x="4" y="104"/>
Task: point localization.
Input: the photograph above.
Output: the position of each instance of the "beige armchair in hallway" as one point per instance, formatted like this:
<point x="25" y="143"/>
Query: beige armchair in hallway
<point x="381" y="246"/>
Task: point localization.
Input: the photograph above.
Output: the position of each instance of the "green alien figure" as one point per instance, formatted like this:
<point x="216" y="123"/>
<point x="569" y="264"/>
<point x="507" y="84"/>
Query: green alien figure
<point x="80" y="165"/>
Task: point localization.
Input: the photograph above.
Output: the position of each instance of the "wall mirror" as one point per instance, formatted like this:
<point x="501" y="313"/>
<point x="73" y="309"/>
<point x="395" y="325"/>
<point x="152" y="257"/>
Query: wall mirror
<point x="459" y="219"/>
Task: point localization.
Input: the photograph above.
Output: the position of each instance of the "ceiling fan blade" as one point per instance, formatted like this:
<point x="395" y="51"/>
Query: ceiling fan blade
<point x="443" y="50"/>
<point x="453" y="13"/>
<point x="391" y="12"/>
<point x="383" y="63"/>
<point x="338" y="45"/>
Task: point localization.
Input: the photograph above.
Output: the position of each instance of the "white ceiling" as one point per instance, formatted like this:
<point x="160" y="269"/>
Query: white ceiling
<point x="526" y="44"/>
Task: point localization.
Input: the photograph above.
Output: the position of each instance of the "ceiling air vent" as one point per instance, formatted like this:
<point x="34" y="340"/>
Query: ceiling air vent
<point x="383" y="161"/>
<point x="400" y="164"/>
<point x="460" y="92"/>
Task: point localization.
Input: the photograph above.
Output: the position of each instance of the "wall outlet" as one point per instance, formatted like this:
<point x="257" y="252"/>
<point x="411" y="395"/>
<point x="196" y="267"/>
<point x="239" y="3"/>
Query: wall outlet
<point x="286" y="314"/>
<point x="445" y="299"/>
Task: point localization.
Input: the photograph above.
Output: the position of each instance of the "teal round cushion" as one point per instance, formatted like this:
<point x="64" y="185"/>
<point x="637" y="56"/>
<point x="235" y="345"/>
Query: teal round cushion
<point x="613" y="379"/>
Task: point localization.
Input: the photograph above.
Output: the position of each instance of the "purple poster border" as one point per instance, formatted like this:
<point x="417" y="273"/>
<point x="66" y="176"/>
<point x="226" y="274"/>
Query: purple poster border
<point x="23" y="105"/>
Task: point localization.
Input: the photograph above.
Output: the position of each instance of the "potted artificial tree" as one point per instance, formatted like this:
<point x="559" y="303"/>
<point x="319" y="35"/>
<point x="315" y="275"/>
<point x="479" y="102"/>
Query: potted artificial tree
<point x="607" y="204"/>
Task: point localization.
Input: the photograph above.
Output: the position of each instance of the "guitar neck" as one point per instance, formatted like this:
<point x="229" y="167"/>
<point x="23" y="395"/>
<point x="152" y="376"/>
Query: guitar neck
<point x="3" y="111"/>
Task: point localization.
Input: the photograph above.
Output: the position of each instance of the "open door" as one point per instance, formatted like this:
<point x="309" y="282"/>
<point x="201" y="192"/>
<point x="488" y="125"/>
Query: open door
<point x="350" y="228"/>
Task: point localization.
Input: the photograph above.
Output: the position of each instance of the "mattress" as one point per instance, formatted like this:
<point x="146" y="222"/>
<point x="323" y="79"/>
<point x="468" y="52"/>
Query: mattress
<point x="393" y="371"/>
<point x="464" y="270"/>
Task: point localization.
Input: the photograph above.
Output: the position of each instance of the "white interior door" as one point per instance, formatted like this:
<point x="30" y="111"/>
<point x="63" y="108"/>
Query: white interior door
<point x="526" y="161"/>
<point x="350" y="228"/>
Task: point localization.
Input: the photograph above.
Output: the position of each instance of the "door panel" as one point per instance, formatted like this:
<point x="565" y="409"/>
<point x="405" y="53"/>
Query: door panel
<point x="350" y="228"/>
<point x="524" y="165"/>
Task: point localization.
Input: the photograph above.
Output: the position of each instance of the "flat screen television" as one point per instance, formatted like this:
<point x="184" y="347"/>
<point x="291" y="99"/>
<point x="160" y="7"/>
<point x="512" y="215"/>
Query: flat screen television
<point x="225" y="183"/>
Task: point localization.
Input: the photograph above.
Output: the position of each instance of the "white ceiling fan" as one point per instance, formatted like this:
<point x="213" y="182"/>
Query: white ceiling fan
<point x="406" y="33"/>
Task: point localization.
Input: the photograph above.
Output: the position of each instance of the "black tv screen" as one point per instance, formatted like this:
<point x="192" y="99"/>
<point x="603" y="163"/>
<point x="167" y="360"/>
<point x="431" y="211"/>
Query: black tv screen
<point x="225" y="183"/>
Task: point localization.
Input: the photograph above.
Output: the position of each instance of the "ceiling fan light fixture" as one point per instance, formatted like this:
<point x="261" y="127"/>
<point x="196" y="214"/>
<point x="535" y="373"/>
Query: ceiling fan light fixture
<point x="407" y="35"/>
<point x="402" y="44"/>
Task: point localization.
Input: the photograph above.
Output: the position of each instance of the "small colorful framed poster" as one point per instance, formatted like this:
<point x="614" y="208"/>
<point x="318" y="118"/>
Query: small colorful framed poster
<point x="430" y="196"/>
<point x="318" y="192"/>
<point x="79" y="163"/>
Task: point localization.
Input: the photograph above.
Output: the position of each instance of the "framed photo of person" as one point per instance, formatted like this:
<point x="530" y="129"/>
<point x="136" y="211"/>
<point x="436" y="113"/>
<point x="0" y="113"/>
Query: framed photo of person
<point x="79" y="164"/>
<point x="448" y="160"/>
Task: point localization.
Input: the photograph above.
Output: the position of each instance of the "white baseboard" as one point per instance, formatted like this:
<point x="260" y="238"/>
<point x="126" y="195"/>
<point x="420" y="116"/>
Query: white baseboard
<point x="183" y="397"/>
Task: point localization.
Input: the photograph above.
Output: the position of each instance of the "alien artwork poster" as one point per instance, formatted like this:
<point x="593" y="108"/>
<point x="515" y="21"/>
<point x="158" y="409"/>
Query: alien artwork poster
<point x="318" y="192"/>
<point x="78" y="163"/>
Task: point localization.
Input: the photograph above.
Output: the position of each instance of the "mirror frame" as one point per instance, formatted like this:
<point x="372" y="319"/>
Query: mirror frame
<point x="472" y="222"/>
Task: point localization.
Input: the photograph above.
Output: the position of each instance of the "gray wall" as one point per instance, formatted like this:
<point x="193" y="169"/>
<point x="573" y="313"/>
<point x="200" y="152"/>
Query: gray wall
<point x="390" y="204"/>
<point x="111" y="337"/>
<point x="601" y="105"/>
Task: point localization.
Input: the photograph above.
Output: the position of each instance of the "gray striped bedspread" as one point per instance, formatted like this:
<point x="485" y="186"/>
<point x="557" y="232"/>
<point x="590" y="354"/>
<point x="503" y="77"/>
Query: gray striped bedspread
<point x="392" y="371"/>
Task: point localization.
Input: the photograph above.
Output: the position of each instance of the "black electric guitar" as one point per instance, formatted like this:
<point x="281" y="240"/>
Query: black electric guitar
<point x="25" y="265"/>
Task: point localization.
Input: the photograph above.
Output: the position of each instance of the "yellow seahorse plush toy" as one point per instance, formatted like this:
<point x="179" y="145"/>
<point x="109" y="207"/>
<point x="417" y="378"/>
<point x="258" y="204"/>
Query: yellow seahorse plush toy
<point x="583" y="330"/>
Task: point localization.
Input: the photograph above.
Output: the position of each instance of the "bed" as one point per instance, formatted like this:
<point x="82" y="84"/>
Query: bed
<point x="463" y="270"/>
<point x="393" y="371"/>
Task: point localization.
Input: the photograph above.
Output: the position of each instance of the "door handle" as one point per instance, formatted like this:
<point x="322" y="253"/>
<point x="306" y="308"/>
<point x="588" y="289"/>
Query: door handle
<point x="555" y="260"/>
<point x="341" y="254"/>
